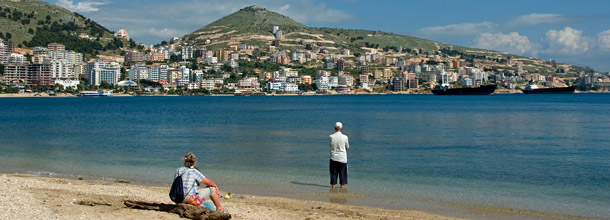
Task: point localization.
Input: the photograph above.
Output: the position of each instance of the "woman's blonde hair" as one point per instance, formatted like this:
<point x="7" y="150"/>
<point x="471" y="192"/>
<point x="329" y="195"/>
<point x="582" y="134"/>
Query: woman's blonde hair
<point x="190" y="160"/>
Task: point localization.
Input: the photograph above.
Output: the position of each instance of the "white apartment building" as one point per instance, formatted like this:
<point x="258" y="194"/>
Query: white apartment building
<point x="138" y="72"/>
<point x="346" y="80"/>
<point x="291" y="87"/>
<point x="103" y="71"/>
<point x="322" y="82"/>
<point x="288" y="72"/>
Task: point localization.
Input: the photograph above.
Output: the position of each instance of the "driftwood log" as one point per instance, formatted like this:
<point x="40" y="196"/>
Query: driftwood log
<point x="183" y="210"/>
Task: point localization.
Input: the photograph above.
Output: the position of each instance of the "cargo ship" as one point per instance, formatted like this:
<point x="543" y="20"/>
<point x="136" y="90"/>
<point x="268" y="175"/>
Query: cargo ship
<point x="533" y="89"/>
<point x="482" y="90"/>
<point x="444" y="89"/>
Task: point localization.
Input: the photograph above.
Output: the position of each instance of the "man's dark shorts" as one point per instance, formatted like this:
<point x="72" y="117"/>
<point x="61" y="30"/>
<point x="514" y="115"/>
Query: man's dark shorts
<point x="338" y="169"/>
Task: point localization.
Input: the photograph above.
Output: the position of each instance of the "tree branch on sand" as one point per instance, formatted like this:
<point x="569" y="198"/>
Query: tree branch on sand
<point x="183" y="210"/>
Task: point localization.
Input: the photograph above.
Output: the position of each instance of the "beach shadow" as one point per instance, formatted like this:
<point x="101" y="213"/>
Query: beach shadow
<point x="310" y="184"/>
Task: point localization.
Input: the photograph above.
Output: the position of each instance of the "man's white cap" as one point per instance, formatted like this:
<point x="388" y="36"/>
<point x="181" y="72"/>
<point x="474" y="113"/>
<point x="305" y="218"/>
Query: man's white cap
<point x="338" y="125"/>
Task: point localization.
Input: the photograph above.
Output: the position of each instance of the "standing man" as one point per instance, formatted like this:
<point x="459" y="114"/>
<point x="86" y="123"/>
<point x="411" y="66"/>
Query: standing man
<point x="339" y="145"/>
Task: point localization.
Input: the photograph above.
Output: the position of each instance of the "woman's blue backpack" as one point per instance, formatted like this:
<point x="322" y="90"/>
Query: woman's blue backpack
<point x="176" y="193"/>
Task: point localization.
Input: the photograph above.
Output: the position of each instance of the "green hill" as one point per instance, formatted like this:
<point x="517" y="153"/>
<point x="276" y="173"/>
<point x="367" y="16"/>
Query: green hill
<point x="254" y="20"/>
<point x="252" y="25"/>
<point x="30" y="23"/>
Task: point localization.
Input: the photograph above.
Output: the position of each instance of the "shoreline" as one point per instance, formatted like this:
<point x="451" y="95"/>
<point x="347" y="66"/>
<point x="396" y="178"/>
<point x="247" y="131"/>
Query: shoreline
<point x="27" y="196"/>
<point x="58" y="95"/>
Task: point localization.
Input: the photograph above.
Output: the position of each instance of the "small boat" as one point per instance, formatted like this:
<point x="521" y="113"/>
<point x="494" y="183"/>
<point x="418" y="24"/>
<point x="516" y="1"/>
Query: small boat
<point x="533" y="89"/>
<point x="94" y="93"/>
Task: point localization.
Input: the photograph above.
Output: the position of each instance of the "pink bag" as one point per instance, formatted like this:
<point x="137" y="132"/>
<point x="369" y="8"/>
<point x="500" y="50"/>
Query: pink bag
<point x="195" y="200"/>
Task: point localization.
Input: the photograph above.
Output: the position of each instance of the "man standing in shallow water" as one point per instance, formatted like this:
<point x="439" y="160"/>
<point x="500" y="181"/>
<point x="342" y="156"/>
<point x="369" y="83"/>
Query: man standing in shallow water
<point x="339" y="145"/>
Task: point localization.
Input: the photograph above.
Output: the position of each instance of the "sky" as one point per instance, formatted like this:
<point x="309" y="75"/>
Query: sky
<point x="573" y="32"/>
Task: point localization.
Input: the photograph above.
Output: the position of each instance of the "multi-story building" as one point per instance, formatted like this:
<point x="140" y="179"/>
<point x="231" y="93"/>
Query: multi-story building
<point x="364" y="78"/>
<point x="185" y="73"/>
<point x="322" y="83"/>
<point x="109" y="74"/>
<point x="412" y="82"/>
<point x="378" y="74"/>
<point x="187" y="52"/>
<point x="17" y="58"/>
<point x="248" y="83"/>
<point x="155" y="57"/>
<point x="207" y="84"/>
<point x="134" y="56"/>
<point x="15" y="73"/>
<point x="40" y="58"/>
<point x="61" y="69"/>
<point x="163" y="71"/>
<point x="153" y="73"/>
<point x="122" y="33"/>
<point x="291" y="87"/>
<point x="222" y="55"/>
<point x="173" y="75"/>
<point x="306" y="80"/>
<point x="88" y="70"/>
<point x="40" y="51"/>
<point x="346" y="80"/>
<point x="340" y="65"/>
<point x="288" y="72"/>
<point x="56" y="47"/>
<point x="138" y="72"/>
<point x="398" y="84"/>
<point x="98" y="72"/>
<point x="3" y="49"/>
<point x="41" y="74"/>
<point x="333" y="81"/>
<point x="275" y="86"/>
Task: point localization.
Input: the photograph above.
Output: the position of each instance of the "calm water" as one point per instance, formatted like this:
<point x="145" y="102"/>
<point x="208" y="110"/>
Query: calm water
<point x="546" y="153"/>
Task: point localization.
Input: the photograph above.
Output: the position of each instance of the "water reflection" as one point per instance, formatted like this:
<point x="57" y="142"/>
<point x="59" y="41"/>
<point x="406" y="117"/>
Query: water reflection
<point x="338" y="196"/>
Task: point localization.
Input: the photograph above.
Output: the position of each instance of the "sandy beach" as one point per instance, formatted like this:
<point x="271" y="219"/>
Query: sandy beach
<point x="25" y="196"/>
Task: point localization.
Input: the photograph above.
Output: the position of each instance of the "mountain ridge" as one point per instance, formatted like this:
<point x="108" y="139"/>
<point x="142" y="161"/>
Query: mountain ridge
<point x="252" y="26"/>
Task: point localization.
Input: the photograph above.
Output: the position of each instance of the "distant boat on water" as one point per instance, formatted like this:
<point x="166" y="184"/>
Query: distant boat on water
<point x="94" y="93"/>
<point x="533" y="89"/>
<point x="482" y="90"/>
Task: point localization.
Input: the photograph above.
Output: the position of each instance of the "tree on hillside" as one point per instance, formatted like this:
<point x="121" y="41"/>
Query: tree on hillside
<point x="227" y="68"/>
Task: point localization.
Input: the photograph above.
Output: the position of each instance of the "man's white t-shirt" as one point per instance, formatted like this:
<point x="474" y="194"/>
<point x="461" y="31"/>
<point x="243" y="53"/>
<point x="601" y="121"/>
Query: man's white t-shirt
<point x="338" y="144"/>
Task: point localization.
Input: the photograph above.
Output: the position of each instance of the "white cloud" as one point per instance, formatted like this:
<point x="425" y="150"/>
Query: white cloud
<point x="511" y="42"/>
<point x="283" y="8"/>
<point x="460" y="29"/>
<point x="567" y="41"/>
<point x="535" y="20"/>
<point x="529" y="20"/>
<point x="603" y="40"/>
<point x="86" y="6"/>
<point x="165" y="33"/>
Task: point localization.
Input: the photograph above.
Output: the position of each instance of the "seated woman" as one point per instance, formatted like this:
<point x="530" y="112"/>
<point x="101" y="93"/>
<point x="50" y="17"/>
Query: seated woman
<point x="191" y="178"/>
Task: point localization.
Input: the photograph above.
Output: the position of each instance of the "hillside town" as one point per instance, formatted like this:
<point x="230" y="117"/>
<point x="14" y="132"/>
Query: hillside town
<point x="181" y="68"/>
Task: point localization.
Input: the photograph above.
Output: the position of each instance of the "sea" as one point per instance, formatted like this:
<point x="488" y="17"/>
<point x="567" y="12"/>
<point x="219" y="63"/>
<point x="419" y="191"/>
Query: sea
<point x="513" y="155"/>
